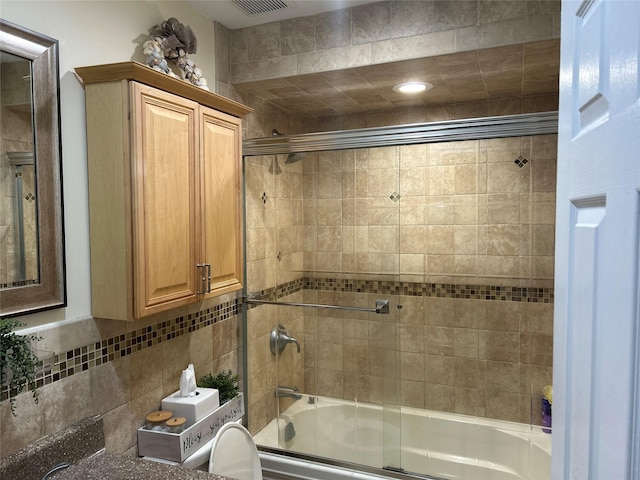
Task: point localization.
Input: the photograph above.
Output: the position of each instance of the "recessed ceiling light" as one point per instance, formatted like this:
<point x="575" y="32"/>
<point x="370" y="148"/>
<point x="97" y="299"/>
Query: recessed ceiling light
<point x="412" y="87"/>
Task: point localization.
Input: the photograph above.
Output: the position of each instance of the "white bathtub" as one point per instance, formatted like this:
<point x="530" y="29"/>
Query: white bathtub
<point x="438" y="444"/>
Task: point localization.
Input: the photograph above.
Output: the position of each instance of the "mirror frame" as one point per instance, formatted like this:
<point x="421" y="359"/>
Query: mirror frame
<point x="51" y="290"/>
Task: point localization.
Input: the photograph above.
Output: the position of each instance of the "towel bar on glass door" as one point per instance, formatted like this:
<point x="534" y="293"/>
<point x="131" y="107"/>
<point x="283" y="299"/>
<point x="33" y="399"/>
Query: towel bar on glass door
<point x="382" y="306"/>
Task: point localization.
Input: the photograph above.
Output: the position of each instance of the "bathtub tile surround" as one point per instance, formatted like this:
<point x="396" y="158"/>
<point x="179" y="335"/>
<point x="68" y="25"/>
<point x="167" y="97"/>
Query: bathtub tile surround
<point x="121" y="371"/>
<point x="467" y="250"/>
<point x="482" y="355"/>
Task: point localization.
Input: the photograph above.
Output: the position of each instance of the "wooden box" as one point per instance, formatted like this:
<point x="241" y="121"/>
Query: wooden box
<point x="179" y="446"/>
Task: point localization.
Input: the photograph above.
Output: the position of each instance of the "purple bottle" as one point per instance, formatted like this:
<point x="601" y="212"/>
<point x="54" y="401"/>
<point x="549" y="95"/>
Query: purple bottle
<point x="546" y="401"/>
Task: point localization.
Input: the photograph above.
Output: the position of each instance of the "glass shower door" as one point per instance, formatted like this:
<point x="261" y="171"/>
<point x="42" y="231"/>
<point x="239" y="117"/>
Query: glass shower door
<point x="334" y="218"/>
<point x="381" y="202"/>
<point x="458" y="236"/>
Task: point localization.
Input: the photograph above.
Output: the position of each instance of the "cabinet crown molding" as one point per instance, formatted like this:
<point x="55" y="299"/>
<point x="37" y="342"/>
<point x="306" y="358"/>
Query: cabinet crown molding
<point x="143" y="74"/>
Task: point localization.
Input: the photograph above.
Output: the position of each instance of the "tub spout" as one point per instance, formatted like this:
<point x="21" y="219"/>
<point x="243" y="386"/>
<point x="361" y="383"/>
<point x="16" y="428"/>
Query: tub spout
<point x="288" y="392"/>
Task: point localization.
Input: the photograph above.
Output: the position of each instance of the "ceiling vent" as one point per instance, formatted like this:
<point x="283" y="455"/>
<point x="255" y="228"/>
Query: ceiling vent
<point x="259" y="7"/>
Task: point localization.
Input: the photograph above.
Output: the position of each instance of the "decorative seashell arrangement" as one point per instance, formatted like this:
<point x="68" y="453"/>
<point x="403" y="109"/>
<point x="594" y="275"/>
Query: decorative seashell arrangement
<point x="172" y="41"/>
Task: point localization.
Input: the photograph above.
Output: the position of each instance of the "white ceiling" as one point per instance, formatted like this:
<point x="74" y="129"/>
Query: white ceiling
<point x="232" y="17"/>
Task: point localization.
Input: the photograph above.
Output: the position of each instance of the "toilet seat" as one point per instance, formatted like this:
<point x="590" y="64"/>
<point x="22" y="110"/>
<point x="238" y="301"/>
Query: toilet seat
<point x="234" y="454"/>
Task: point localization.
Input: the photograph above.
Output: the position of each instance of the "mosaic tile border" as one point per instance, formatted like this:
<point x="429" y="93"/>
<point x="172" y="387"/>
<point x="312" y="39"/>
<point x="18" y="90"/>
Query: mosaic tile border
<point x="83" y="358"/>
<point x="19" y="283"/>
<point x="279" y="291"/>
<point x="63" y="365"/>
<point x="413" y="289"/>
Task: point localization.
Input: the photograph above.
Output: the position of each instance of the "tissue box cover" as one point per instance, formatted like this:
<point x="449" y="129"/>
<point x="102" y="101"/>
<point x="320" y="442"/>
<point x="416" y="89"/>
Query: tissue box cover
<point x="193" y="408"/>
<point x="178" y="447"/>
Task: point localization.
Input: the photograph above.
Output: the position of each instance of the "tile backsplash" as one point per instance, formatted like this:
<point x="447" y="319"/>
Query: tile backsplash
<point x="119" y="370"/>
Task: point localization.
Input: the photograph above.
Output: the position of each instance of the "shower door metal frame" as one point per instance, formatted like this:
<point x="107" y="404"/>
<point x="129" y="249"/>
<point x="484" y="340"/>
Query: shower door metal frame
<point x="483" y="128"/>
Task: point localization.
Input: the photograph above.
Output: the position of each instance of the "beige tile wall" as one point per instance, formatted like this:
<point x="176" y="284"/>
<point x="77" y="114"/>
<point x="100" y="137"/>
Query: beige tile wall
<point x="384" y="32"/>
<point x="265" y="371"/>
<point x="467" y="212"/>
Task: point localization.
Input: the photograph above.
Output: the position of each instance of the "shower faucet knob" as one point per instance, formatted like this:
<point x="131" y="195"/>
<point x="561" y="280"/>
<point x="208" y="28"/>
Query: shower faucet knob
<point x="279" y="339"/>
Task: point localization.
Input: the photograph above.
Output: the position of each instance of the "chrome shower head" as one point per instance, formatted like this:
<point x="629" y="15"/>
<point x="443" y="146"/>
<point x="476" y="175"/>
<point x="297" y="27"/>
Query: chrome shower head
<point x="292" y="157"/>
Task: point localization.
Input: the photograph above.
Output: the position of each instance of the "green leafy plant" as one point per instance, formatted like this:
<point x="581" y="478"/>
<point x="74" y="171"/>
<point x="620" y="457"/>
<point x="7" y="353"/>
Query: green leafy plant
<point x="18" y="361"/>
<point x="225" y="381"/>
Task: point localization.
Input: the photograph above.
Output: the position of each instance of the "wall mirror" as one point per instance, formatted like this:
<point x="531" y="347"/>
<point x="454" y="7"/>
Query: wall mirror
<point x="32" y="274"/>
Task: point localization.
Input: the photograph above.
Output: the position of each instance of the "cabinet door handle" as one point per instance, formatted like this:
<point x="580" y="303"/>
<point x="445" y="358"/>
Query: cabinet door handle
<point x="204" y="269"/>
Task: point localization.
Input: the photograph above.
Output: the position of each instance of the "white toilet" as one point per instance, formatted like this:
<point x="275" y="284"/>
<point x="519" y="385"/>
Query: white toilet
<point x="234" y="454"/>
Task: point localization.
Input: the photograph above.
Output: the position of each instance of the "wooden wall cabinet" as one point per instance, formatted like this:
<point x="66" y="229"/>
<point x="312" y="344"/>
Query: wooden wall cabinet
<point x="164" y="164"/>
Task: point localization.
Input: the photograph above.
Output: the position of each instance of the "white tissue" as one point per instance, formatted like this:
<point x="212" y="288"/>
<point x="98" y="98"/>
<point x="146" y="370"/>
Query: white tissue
<point x="188" y="382"/>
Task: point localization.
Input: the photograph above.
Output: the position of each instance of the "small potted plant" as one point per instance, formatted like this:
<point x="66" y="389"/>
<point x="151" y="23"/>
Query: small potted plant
<point x="225" y="381"/>
<point x="18" y="361"/>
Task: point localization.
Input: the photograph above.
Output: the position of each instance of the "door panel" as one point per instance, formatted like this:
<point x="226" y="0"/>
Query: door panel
<point x="165" y="187"/>
<point x="596" y="314"/>
<point x="221" y="200"/>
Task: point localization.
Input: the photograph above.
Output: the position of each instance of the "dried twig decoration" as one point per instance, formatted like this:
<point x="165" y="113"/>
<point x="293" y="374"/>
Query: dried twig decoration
<point x="171" y="40"/>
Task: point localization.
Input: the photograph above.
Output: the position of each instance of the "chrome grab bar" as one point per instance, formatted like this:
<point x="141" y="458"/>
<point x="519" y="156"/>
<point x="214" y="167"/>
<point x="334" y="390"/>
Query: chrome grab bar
<point x="382" y="306"/>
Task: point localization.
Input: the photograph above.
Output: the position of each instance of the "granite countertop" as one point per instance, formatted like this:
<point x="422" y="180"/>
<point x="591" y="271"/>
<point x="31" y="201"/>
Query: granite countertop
<point x="109" y="466"/>
<point x="82" y="446"/>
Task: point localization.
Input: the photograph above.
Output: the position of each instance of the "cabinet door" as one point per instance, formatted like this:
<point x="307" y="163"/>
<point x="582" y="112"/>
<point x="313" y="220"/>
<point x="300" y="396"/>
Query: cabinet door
<point x="221" y="187"/>
<point x="165" y="207"/>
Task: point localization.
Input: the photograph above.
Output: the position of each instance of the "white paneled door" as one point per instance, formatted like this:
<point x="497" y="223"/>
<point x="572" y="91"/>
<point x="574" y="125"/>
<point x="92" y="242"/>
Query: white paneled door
<point x="596" y="346"/>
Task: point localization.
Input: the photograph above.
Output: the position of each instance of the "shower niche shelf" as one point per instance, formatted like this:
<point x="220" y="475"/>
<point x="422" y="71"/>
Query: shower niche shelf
<point x="164" y="163"/>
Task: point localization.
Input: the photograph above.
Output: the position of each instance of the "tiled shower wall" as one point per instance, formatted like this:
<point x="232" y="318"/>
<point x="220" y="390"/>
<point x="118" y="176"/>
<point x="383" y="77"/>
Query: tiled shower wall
<point x="475" y="212"/>
<point x="460" y="218"/>
<point x="16" y="136"/>
<point x="461" y="234"/>
<point x="478" y="357"/>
